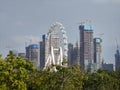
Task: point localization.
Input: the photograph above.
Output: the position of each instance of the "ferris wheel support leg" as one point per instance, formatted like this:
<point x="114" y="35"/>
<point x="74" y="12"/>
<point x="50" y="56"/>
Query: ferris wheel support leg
<point x="61" y="56"/>
<point x="52" y="56"/>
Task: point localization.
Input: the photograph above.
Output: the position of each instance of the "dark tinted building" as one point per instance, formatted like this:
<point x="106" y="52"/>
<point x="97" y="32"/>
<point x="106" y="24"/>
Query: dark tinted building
<point x="117" y="60"/>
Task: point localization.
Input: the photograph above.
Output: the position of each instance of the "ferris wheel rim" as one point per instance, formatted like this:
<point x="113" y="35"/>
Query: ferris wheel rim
<point x="64" y="36"/>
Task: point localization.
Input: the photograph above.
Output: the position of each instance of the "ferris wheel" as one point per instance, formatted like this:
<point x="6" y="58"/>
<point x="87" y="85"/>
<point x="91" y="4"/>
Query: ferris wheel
<point x="57" y="45"/>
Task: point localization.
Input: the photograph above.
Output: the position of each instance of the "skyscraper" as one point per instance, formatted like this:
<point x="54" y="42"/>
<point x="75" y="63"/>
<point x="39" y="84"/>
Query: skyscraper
<point x="73" y="54"/>
<point x="32" y="53"/>
<point x="70" y="54"/>
<point x="86" y="46"/>
<point x="55" y="43"/>
<point x="97" y="53"/>
<point x="42" y="51"/>
<point x="117" y="60"/>
<point x="76" y="54"/>
<point x="50" y="49"/>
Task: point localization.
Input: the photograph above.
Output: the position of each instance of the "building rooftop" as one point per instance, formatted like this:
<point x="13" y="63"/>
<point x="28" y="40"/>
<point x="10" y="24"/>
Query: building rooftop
<point x="33" y="46"/>
<point x="86" y="27"/>
<point x="97" y="40"/>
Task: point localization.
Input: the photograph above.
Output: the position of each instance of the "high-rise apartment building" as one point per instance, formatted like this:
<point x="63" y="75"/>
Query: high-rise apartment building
<point x="70" y="54"/>
<point x="32" y="53"/>
<point x="42" y="51"/>
<point x="117" y="60"/>
<point x="86" y="46"/>
<point x="73" y="54"/>
<point x="46" y="46"/>
<point x="55" y="43"/>
<point x="76" y="54"/>
<point x="97" y="53"/>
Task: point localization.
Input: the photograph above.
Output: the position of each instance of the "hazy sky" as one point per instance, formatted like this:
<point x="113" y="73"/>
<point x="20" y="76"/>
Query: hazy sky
<point x="22" y="20"/>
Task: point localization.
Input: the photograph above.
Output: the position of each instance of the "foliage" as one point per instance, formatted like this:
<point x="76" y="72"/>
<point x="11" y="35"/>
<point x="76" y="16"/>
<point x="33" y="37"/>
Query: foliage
<point x="64" y="79"/>
<point x="17" y="73"/>
<point x="14" y="72"/>
<point x="103" y="80"/>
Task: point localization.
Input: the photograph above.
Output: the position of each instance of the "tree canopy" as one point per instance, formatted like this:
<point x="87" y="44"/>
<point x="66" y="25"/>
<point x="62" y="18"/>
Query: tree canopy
<point x="17" y="73"/>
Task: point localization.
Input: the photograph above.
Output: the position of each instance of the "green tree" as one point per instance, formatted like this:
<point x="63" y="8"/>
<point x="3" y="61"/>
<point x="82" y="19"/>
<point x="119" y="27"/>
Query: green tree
<point x="65" y="78"/>
<point x="101" y="80"/>
<point x="14" y="72"/>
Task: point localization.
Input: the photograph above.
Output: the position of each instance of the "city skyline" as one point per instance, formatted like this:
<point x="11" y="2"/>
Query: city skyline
<point x="22" y="21"/>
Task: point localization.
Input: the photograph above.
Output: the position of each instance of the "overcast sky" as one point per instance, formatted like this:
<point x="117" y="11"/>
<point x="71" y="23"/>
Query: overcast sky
<point x="22" y="20"/>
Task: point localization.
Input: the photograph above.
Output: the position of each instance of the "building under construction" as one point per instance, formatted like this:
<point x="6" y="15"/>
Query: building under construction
<point x="97" y="53"/>
<point x="86" y="46"/>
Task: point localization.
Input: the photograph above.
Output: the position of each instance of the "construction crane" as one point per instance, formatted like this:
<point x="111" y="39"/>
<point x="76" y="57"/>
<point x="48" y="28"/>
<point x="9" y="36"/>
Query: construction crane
<point x="117" y="44"/>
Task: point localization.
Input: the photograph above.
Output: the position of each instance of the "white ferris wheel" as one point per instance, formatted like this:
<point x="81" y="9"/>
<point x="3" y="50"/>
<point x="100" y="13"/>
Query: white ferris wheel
<point x="57" y="46"/>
